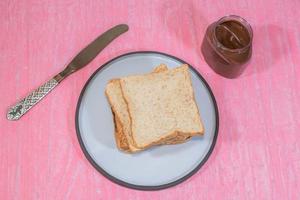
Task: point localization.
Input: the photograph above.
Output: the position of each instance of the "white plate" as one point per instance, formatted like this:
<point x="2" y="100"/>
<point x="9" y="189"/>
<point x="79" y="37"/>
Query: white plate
<point x="156" y="168"/>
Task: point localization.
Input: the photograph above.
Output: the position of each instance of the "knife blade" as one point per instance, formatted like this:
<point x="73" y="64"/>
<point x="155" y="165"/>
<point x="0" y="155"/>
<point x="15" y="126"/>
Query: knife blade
<point x="83" y="58"/>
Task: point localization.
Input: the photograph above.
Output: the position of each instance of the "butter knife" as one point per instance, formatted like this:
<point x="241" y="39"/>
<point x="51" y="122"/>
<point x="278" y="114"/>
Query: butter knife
<point x="84" y="57"/>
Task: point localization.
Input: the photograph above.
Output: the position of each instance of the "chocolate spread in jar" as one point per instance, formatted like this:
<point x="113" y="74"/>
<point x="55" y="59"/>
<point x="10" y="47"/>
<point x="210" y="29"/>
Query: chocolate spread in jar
<point x="227" y="46"/>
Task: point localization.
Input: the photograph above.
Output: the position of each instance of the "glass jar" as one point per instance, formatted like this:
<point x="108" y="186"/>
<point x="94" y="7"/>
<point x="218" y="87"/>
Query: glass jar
<point x="227" y="45"/>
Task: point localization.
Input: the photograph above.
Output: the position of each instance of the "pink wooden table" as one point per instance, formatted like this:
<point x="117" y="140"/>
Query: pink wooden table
<point x="257" y="155"/>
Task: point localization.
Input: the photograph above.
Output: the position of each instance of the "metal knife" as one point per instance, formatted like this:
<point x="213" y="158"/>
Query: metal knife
<point x="84" y="57"/>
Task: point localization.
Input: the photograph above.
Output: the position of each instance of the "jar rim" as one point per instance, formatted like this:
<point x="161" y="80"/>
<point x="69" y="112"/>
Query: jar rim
<point x="240" y="20"/>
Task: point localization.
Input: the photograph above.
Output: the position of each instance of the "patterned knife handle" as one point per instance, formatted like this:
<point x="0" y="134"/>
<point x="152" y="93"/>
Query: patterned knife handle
<point x="18" y="110"/>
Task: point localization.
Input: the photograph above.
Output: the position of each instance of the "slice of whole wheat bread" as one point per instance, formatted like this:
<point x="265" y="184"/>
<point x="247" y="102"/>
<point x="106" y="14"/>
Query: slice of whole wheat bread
<point x="121" y="116"/>
<point x="161" y="106"/>
<point x="121" y="140"/>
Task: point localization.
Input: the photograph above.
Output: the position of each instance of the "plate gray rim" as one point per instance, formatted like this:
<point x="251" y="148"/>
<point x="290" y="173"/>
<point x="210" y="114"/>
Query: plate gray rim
<point x="134" y="186"/>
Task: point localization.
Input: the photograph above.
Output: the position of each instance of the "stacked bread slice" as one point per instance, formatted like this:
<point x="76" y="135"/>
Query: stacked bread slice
<point x="154" y="109"/>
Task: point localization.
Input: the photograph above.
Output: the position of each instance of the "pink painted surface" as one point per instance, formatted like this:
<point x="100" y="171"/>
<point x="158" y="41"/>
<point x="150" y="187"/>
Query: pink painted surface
<point x="257" y="155"/>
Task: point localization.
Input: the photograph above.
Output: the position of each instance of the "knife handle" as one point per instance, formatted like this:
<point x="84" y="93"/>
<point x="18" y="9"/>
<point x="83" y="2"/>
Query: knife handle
<point x="18" y="110"/>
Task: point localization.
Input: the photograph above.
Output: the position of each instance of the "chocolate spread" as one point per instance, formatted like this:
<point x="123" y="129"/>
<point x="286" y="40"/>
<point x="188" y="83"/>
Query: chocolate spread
<point x="227" y="46"/>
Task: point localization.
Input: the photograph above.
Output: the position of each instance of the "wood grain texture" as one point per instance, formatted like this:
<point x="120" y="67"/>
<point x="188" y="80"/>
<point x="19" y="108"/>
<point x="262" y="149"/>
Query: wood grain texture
<point x="257" y="154"/>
